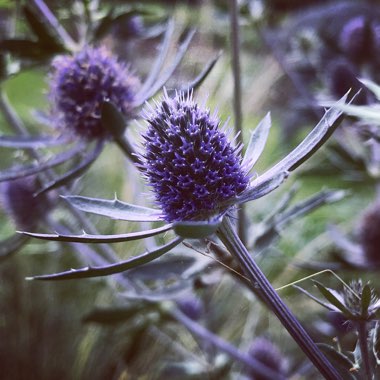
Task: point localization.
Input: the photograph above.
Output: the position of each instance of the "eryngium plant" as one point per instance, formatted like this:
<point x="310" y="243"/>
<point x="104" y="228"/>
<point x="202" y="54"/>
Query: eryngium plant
<point x="193" y="169"/>
<point x="182" y="143"/>
<point x="80" y="84"/>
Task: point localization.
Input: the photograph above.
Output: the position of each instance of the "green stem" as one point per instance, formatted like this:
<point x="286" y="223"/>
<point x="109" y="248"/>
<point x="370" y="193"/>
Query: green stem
<point x="267" y="293"/>
<point x="361" y="327"/>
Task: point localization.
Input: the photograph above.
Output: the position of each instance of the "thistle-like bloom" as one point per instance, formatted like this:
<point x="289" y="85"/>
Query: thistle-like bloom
<point x="81" y="83"/>
<point x="264" y="351"/>
<point x="18" y="200"/>
<point x="192" y="167"/>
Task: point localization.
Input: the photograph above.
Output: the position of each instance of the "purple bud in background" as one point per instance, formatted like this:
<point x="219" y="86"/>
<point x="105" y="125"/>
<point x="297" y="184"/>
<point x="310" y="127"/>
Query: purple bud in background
<point x="80" y="83"/>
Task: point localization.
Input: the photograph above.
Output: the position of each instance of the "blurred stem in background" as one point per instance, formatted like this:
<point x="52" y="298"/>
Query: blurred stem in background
<point x="235" y="53"/>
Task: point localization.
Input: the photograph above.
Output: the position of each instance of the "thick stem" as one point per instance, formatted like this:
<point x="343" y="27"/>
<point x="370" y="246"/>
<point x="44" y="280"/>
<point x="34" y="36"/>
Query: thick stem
<point x="361" y="327"/>
<point x="267" y="293"/>
<point x="235" y="48"/>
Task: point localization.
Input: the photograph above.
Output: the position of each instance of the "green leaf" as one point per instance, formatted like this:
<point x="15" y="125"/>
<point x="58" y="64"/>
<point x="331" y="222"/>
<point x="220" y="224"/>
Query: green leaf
<point x="342" y="361"/>
<point x="112" y="119"/>
<point x="366" y="299"/>
<point x="257" y="142"/>
<point x="195" y="229"/>
<point x="87" y="238"/>
<point x="89" y="272"/>
<point x="115" y="209"/>
<point x="332" y="299"/>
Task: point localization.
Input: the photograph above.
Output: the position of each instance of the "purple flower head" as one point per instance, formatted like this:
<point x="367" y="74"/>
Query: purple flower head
<point x="79" y="85"/>
<point x="264" y="351"/>
<point x="18" y="200"/>
<point x="188" y="161"/>
<point x="355" y="38"/>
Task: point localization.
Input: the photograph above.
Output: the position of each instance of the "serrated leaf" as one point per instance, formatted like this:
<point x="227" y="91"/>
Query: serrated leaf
<point x="89" y="272"/>
<point x="257" y="142"/>
<point x="195" y="229"/>
<point x="88" y="238"/>
<point x="28" y="142"/>
<point x="115" y="209"/>
<point x="311" y="143"/>
<point x="366" y="299"/>
<point x="317" y="300"/>
<point x="75" y="172"/>
<point x="332" y="299"/>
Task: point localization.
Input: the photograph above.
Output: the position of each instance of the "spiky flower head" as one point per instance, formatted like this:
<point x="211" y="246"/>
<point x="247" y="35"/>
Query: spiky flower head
<point x="80" y="83"/>
<point x="189" y="162"/>
<point x="18" y="201"/>
<point x="369" y="234"/>
<point x="268" y="354"/>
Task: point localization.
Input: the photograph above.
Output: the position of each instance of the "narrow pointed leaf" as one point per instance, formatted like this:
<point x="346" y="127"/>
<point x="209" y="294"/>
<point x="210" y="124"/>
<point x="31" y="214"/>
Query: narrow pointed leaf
<point x="312" y="142"/>
<point x="89" y="272"/>
<point x="196" y="230"/>
<point x="259" y="188"/>
<point x="196" y="82"/>
<point x="332" y="299"/>
<point x="372" y="86"/>
<point x="26" y="170"/>
<point x="30" y="142"/>
<point x="166" y="75"/>
<point x="76" y="171"/>
<point x="317" y="300"/>
<point x="112" y="119"/>
<point x="158" y="63"/>
<point x="366" y="299"/>
<point x="88" y="238"/>
<point x="342" y="361"/>
<point x="310" y="204"/>
<point x="257" y="142"/>
<point x="115" y="209"/>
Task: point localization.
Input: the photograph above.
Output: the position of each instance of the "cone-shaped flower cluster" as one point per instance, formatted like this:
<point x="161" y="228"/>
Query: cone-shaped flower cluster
<point x="192" y="167"/>
<point x="79" y="85"/>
